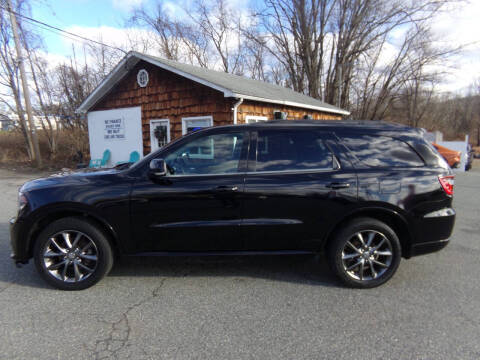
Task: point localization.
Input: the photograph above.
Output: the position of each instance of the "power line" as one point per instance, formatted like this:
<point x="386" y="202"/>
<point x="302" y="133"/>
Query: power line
<point x="53" y="31"/>
<point x="46" y="26"/>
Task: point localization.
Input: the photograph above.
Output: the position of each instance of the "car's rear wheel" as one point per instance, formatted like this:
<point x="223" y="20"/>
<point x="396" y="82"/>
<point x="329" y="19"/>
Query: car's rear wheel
<point x="365" y="253"/>
<point x="72" y="254"/>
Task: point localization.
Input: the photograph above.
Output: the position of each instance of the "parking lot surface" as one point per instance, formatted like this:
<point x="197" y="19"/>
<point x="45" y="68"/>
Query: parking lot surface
<point x="263" y="307"/>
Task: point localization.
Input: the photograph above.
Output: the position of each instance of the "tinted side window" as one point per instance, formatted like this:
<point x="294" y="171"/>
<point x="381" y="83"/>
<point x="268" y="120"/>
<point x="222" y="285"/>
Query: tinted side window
<point x="209" y="154"/>
<point x="281" y="150"/>
<point x="382" y="151"/>
<point x="431" y="156"/>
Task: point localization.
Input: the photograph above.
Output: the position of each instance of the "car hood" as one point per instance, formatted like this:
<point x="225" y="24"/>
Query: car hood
<point x="69" y="177"/>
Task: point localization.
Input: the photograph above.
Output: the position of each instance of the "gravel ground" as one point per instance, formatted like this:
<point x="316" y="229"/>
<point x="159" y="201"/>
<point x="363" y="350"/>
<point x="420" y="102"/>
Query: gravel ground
<point x="288" y="307"/>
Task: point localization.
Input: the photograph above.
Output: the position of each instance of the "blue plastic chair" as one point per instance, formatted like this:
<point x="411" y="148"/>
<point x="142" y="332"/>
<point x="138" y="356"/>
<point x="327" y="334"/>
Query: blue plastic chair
<point x="106" y="157"/>
<point x="134" y="157"/>
<point x="96" y="163"/>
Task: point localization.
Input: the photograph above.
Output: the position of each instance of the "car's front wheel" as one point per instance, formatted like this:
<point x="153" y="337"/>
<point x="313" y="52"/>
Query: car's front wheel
<point x="365" y="253"/>
<point x="72" y="254"/>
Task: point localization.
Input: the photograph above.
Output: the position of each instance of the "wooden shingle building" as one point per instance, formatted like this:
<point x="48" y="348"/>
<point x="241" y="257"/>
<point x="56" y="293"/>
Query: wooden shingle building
<point x="145" y="102"/>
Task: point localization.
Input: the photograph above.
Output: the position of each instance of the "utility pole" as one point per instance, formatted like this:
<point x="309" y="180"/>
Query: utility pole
<point x="26" y="92"/>
<point x="340" y="83"/>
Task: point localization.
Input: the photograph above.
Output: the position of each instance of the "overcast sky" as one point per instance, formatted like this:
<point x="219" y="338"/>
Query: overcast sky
<point x="459" y="25"/>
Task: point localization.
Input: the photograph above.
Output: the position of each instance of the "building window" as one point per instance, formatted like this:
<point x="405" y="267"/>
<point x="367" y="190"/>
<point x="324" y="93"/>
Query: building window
<point x="159" y="133"/>
<point x="196" y="123"/>
<point x="250" y="119"/>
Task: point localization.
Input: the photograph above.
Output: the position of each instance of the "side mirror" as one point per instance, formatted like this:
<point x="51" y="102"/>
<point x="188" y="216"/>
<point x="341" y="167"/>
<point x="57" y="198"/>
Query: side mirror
<point x="158" y="168"/>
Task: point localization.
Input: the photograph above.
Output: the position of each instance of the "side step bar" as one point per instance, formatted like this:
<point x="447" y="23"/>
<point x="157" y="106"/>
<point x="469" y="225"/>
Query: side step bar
<point x="225" y="253"/>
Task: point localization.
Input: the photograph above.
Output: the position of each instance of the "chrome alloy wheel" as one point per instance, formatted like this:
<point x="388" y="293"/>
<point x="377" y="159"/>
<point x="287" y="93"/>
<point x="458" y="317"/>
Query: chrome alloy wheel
<point x="367" y="255"/>
<point x="70" y="256"/>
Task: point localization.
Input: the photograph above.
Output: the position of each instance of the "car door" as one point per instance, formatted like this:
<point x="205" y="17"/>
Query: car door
<point x="196" y="206"/>
<point x="298" y="183"/>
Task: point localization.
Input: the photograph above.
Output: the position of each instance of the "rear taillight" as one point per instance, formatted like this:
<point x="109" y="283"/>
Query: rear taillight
<point x="447" y="183"/>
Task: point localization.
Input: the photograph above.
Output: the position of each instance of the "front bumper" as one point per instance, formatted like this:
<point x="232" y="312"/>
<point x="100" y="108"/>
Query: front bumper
<point x="18" y="242"/>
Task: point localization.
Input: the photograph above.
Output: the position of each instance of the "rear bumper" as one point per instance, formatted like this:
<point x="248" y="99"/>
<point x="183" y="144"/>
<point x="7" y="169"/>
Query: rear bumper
<point x="427" y="248"/>
<point x="433" y="232"/>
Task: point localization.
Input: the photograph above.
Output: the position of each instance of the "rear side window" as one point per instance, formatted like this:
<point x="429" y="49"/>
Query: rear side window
<point x="431" y="156"/>
<point x="382" y="151"/>
<point x="279" y="150"/>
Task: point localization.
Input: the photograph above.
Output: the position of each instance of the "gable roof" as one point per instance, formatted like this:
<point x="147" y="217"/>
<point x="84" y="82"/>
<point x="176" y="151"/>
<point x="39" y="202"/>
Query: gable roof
<point x="231" y="85"/>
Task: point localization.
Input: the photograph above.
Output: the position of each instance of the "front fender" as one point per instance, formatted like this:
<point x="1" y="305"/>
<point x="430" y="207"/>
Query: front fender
<point x="32" y="224"/>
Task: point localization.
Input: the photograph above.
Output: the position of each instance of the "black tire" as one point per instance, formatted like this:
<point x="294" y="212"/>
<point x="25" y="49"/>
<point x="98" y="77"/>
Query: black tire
<point x="342" y="256"/>
<point x="98" y="251"/>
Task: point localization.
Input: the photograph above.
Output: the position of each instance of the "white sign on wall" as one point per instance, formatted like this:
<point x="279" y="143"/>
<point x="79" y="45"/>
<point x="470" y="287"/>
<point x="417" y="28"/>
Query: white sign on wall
<point x="114" y="129"/>
<point x="117" y="130"/>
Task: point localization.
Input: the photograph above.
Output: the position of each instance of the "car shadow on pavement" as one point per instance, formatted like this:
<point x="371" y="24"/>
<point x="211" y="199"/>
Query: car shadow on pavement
<point x="11" y="275"/>
<point x="304" y="269"/>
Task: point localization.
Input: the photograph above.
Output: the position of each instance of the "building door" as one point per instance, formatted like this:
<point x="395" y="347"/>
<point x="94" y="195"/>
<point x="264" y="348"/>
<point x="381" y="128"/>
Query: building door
<point x="159" y="133"/>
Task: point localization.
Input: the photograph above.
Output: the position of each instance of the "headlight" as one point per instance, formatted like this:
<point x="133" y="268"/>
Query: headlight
<point x="22" y="201"/>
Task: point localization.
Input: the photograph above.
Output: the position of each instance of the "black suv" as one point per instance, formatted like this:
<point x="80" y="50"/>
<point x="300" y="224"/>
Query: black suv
<point x="364" y="193"/>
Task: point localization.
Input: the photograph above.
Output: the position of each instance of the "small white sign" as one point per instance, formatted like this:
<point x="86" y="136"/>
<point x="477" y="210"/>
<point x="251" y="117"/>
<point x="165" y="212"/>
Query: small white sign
<point x="131" y="119"/>
<point x="114" y="129"/>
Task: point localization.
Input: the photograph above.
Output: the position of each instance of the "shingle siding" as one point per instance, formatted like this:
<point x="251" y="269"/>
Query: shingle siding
<point x="171" y="96"/>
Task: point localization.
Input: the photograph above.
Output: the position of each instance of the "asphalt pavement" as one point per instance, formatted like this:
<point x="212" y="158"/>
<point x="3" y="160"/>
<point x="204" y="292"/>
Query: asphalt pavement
<point x="261" y="307"/>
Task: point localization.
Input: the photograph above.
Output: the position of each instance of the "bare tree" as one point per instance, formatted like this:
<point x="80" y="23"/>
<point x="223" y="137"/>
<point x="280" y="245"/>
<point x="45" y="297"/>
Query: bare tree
<point x="323" y="44"/>
<point x="166" y="30"/>
<point x="9" y="79"/>
<point x="255" y="61"/>
<point x="219" y="27"/>
<point x="44" y="98"/>
<point x="416" y="97"/>
<point x="209" y="35"/>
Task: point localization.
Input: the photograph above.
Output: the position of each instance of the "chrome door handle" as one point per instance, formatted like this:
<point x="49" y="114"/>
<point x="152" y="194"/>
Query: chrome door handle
<point x="224" y="188"/>
<point x="337" y="185"/>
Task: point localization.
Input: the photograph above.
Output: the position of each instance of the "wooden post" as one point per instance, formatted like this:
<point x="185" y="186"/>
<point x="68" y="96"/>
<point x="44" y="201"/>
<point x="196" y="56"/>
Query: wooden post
<point x="26" y="92"/>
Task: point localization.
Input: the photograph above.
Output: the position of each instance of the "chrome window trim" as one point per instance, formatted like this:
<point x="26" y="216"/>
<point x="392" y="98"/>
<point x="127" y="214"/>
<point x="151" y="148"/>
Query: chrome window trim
<point x="203" y="175"/>
<point x="306" y="171"/>
<point x="336" y="167"/>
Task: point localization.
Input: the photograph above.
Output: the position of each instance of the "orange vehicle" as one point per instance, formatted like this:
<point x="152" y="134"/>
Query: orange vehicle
<point x="452" y="156"/>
